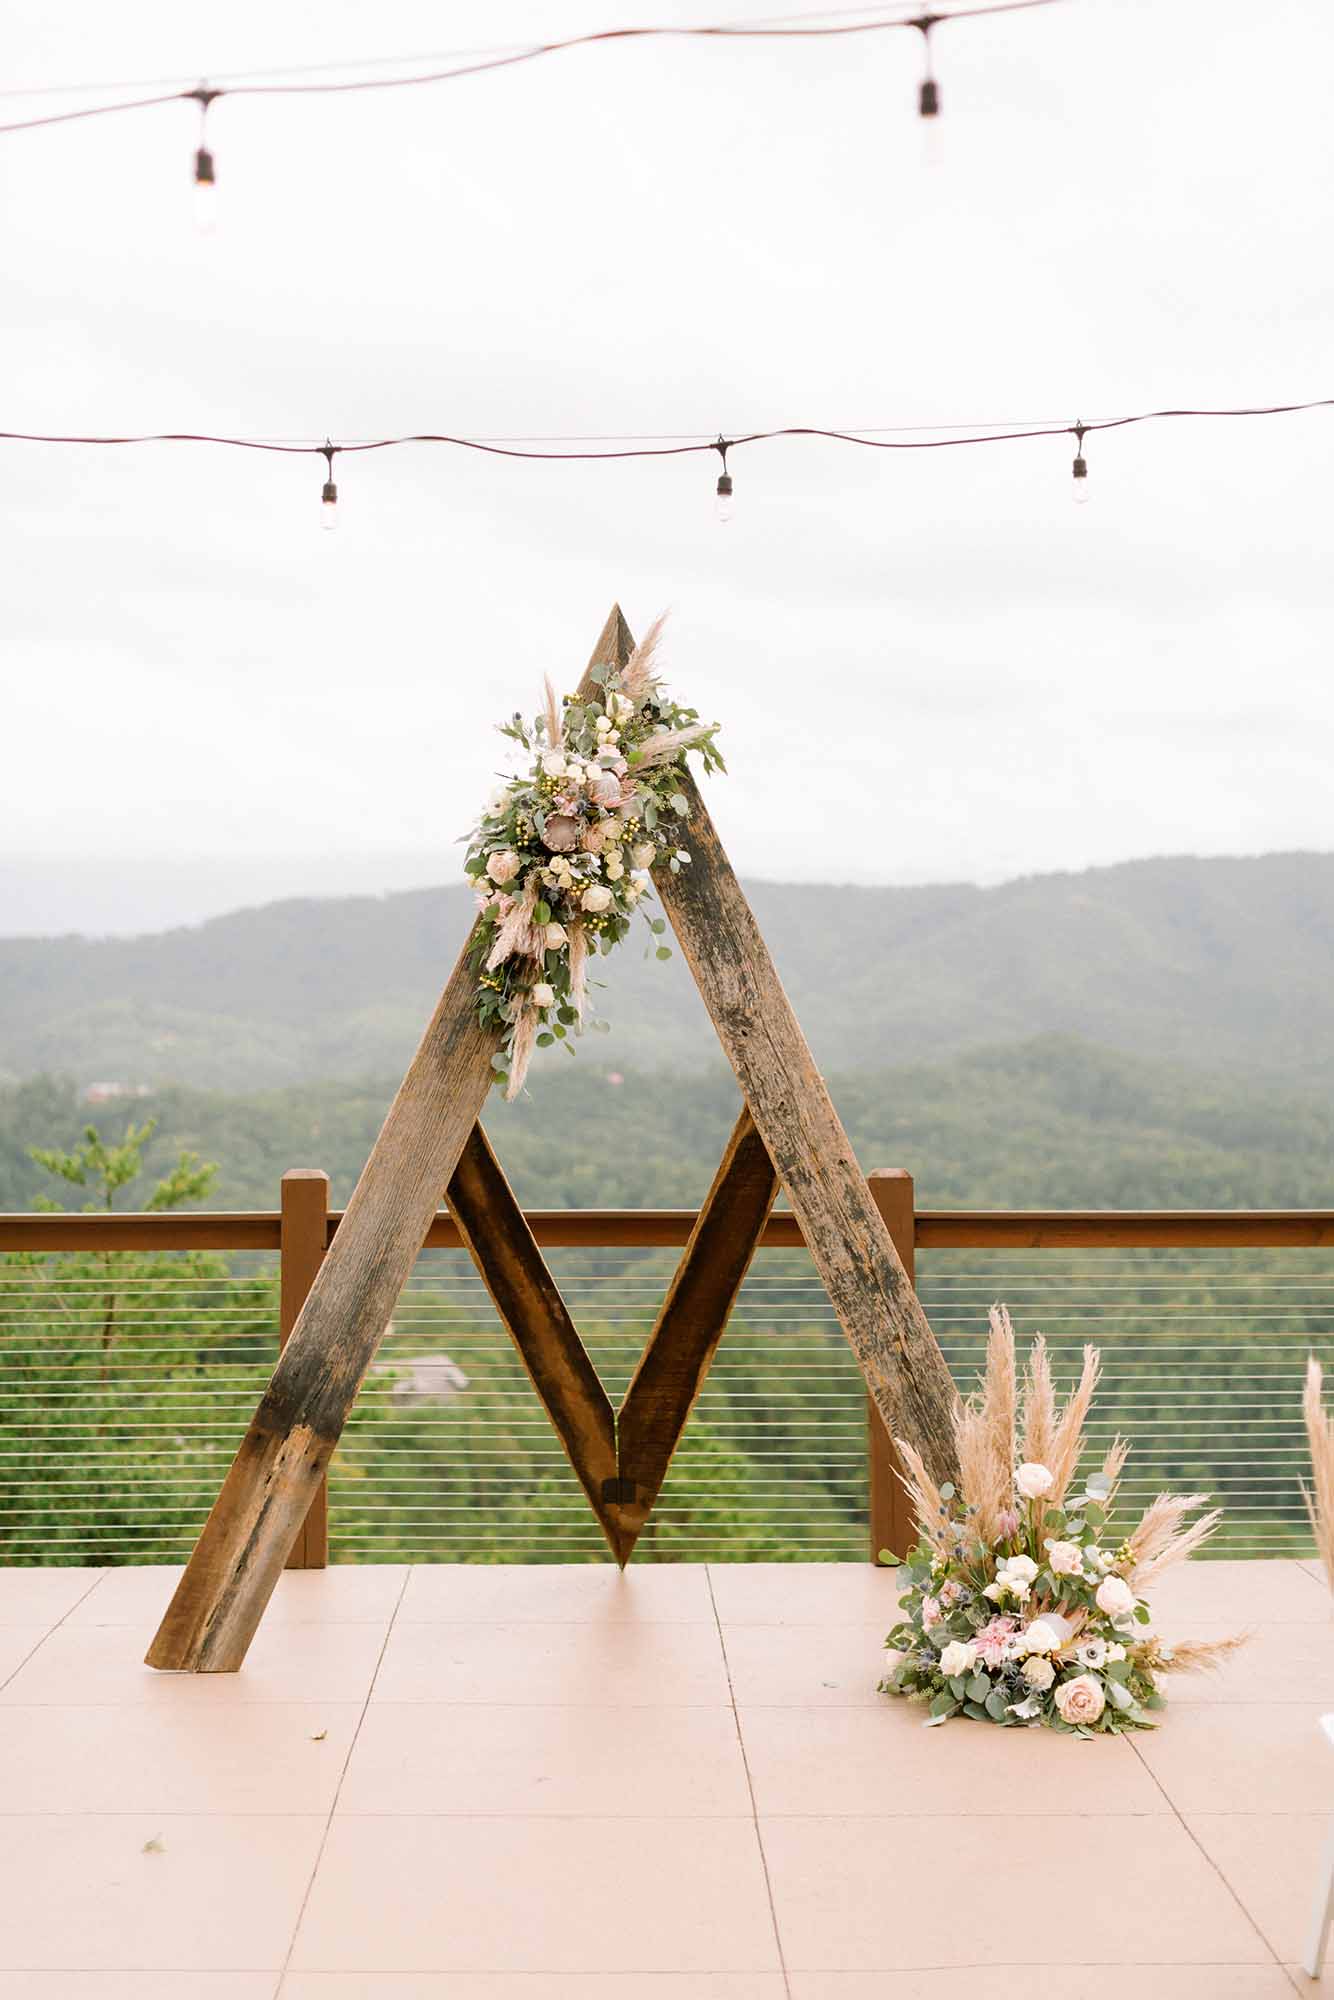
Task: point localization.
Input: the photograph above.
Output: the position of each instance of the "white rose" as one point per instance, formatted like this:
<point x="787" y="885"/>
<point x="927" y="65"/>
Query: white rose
<point x="1022" y="1567"/>
<point x="1080" y="1700"/>
<point x="574" y="776"/>
<point x="1040" y="1638"/>
<point x="503" y="867"/>
<point x="1115" y="1597"/>
<point x="602" y="725"/>
<point x="542" y="995"/>
<point x="615" y="868"/>
<point x="595" y="898"/>
<point x="1034" y="1480"/>
<point x="556" y="935"/>
<point x="1116" y="1652"/>
<point x="642" y="853"/>
<point x="958" y="1657"/>
<point x="1039" y="1672"/>
<point x="553" y="763"/>
<point x="1065" y="1558"/>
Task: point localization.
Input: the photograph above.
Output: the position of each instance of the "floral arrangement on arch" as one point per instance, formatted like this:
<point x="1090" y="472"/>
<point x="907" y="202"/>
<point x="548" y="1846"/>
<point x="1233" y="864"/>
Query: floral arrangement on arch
<point x="564" y="853"/>
<point x="1022" y="1608"/>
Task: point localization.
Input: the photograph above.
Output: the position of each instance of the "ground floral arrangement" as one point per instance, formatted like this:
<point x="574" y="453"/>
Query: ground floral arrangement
<point x="1023" y="1608"/>
<point x="563" y="855"/>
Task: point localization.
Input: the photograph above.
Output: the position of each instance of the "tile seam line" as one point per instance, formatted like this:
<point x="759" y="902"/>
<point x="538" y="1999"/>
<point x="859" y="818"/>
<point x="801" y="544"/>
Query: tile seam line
<point x="750" y="1787"/>
<point x="1206" y="1857"/>
<point x="323" y="1842"/>
<point x="68" y="1613"/>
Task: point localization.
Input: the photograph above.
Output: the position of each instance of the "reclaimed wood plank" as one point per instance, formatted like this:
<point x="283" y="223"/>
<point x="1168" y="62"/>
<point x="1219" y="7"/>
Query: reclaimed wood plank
<point x="877" y="1307"/>
<point x="690" y="1324"/>
<point x="266" y="1495"/>
<point x="537" y="1320"/>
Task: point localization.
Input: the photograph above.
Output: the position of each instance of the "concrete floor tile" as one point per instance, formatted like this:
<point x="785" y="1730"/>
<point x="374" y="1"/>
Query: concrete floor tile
<point x="616" y="1663"/>
<point x="1278" y="1664"/>
<point x="862" y="1895"/>
<point x="564" y="1593"/>
<point x="1244" y="1759"/>
<point x="806" y="1666"/>
<point x="402" y="1894"/>
<point x="344" y="1594"/>
<point x="1272" y="1864"/>
<point x="1052" y="1982"/>
<point x="172" y="1759"/>
<point x="17" y="1642"/>
<point x="839" y="1761"/>
<point x="537" y="1986"/>
<point x="1207" y="1599"/>
<point x="665" y="1763"/>
<point x="81" y="1893"/>
<point x="67" y="1985"/>
<point x="805" y="1594"/>
<point x="43" y="1596"/>
<point x="102" y="1666"/>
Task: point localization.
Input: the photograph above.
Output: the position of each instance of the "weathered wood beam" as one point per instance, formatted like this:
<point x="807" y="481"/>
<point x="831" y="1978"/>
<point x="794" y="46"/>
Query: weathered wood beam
<point x="529" y="1303"/>
<point x="876" y="1305"/>
<point x="265" y="1497"/>
<point x="690" y="1324"/>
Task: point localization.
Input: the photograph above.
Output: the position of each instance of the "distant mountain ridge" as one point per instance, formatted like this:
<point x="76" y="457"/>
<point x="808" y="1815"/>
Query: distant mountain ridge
<point x="1215" y="963"/>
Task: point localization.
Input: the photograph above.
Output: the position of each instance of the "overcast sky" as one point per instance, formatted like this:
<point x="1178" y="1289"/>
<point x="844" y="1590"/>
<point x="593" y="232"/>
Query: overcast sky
<point x="927" y="665"/>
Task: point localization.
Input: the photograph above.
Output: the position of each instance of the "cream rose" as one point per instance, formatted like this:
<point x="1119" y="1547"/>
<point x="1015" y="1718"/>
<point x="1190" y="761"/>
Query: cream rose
<point x="554" y="764"/>
<point x="1039" y="1672"/>
<point x="958" y="1657"/>
<point x="1115" y="1597"/>
<point x="1065" y="1558"/>
<point x="1041" y="1637"/>
<point x="1022" y="1567"/>
<point x="1034" y="1480"/>
<point x="542" y="995"/>
<point x="1080" y="1700"/>
<point x="595" y="899"/>
<point x="555" y="936"/>
<point x="502" y="867"/>
<point x="642" y="853"/>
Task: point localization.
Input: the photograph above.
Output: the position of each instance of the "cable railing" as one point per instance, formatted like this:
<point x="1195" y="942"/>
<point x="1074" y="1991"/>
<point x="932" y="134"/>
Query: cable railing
<point x="129" y="1368"/>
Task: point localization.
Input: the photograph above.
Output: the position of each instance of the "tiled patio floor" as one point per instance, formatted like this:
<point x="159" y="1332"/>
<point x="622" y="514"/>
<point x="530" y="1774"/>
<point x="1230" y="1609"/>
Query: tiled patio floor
<point x="677" y="1784"/>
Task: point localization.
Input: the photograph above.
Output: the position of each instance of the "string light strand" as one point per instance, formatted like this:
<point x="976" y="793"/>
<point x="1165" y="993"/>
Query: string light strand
<point x="508" y="59"/>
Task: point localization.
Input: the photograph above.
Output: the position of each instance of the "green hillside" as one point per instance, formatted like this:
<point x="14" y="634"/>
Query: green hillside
<point x="1047" y="1122"/>
<point x="1214" y="963"/>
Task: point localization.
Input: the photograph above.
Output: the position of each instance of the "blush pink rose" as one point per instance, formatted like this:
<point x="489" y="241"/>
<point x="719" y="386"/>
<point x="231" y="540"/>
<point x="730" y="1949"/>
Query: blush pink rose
<point x="1065" y="1558"/>
<point x="502" y="867"/>
<point x="1080" y="1700"/>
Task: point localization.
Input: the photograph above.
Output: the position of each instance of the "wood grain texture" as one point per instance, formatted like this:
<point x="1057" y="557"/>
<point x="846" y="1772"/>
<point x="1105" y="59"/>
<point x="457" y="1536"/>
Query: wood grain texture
<point x="690" y="1324"/>
<point x="265" y="1497"/>
<point x="534" y="1314"/>
<point x="890" y="1514"/>
<point x="876" y="1305"/>
<point x="305" y="1238"/>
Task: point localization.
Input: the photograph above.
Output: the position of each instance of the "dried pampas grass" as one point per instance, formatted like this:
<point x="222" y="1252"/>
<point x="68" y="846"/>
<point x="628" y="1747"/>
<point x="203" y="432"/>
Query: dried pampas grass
<point x="1039" y="1405"/>
<point x="521" y="1050"/>
<point x="578" y="969"/>
<point x="1194" y="1656"/>
<point x="552" y="711"/>
<point x="925" y="1495"/>
<point x="637" y="676"/>
<point x="984" y="1432"/>
<point x="516" y="930"/>
<point x="1159" y="1540"/>
<point x="660" y="749"/>
<point x="1319" y="1496"/>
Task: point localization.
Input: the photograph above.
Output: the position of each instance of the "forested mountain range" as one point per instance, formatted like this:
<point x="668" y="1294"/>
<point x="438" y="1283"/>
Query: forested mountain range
<point x="1221" y="964"/>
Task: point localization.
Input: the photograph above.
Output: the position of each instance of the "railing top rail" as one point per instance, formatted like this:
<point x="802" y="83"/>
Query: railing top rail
<point x="640" y="1228"/>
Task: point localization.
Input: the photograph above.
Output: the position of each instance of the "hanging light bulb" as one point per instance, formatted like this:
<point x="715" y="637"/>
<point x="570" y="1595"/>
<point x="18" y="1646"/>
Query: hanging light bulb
<point x="329" y="498"/>
<point x="1080" y="469"/>
<point x="724" y="505"/>
<point x="206" y="180"/>
<point x="928" y="95"/>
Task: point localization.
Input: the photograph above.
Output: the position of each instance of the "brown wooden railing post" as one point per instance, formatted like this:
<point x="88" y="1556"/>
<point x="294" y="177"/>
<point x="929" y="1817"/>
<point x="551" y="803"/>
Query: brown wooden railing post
<point x="303" y="1239"/>
<point x="890" y="1516"/>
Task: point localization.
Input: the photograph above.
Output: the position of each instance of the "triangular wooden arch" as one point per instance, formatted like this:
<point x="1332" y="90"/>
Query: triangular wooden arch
<point x="788" y="1134"/>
